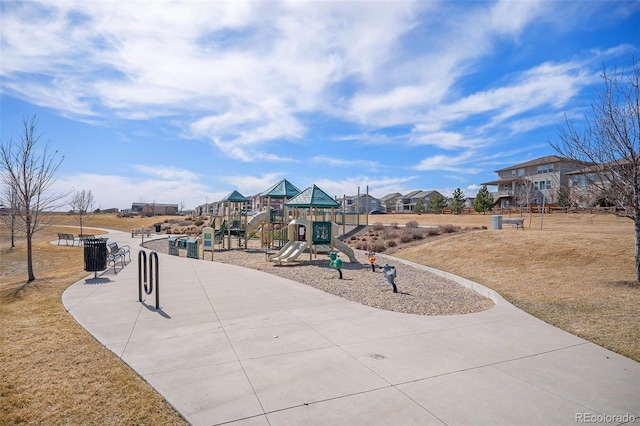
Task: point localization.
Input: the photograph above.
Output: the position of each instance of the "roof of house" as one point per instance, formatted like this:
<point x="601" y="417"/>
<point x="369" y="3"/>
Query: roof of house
<point x="412" y="194"/>
<point x="537" y="162"/>
<point x="392" y="196"/>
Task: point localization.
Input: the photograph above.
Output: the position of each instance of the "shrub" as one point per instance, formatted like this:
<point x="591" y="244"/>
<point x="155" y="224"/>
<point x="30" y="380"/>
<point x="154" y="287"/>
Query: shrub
<point x="417" y="236"/>
<point x="390" y="235"/>
<point x="412" y="224"/>
<point x="377" y="246"/>
<point x="394" y="225"/>
<point x="432" y="232"/>
<point x="199" y="222"/>
<point x="405" y="238"/>
<point x="447" y="229"/>
<point x="391" y="243"/>
<point x="377" y="226"/>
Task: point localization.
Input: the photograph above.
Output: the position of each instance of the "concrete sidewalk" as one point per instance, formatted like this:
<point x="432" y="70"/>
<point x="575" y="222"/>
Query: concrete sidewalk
<point x="235" y="345"/>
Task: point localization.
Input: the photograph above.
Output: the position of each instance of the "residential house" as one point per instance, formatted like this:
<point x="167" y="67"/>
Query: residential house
<point x="388" y="202"/>
<point x="532" y="182"/>
<point x="590" y="185"/>
<point x="407" y="203"/>
<point x="359" y="204"/>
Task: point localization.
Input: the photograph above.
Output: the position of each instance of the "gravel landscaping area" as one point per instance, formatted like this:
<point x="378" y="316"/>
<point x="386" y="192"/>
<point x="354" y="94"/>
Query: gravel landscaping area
<point x="419" y="292"/>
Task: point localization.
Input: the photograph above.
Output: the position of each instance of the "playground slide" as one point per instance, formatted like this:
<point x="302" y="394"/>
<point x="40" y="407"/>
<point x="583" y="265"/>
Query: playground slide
<point x="284" y="251"/>
<point x="345" y="249"/>
<point x="296" y="248"/>
<point x="257" y="221"/>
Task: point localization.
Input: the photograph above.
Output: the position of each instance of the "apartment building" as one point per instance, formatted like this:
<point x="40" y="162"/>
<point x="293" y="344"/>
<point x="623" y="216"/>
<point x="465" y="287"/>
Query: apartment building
<point x="532" y="182"/>
<point x="153" y="209"/>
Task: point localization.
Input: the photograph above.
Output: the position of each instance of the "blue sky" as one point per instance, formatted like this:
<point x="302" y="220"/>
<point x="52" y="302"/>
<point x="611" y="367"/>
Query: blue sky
<point x="184" y="102"/>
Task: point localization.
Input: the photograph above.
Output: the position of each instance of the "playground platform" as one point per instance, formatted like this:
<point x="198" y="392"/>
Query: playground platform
<point x="238" y="346"/>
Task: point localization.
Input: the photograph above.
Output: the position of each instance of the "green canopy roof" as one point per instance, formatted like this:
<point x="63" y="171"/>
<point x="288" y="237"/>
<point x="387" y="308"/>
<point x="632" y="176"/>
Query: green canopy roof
<point x="312" y="197"/>
<point x="236" y="197"/>
<point x="282" y="189"/>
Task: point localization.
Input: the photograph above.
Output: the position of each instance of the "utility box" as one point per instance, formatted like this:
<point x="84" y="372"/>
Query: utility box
<point x="173" y="247"/>
<point x="192" y="248"/>
<point x="496" y="222"/>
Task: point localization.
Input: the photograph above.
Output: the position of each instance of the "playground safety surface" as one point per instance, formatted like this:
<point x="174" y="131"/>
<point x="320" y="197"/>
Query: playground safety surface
<point x="240" y="346"/>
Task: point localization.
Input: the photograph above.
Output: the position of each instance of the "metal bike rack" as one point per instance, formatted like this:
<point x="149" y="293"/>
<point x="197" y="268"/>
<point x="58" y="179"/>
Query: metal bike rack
<point x="152" y="266"/>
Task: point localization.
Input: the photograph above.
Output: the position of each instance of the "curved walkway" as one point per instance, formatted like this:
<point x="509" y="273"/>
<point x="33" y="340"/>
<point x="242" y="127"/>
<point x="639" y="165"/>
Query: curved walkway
<point x="235" y="345"/>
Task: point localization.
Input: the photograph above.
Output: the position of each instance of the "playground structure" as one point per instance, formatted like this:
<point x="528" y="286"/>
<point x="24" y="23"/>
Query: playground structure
<point x="291" y="221"/>
<point x="322" y="238"/>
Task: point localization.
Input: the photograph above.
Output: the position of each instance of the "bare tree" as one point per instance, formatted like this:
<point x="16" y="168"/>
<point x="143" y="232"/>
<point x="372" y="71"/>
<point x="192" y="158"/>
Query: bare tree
<point x="31" y="174"/>
<point x="610" y="141"/>
<point x="81" y="204"/>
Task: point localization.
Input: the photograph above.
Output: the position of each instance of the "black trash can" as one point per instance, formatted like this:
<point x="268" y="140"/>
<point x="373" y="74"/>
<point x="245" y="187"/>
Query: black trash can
<point x="158" y="228"/>
<point x="95" y="254"/>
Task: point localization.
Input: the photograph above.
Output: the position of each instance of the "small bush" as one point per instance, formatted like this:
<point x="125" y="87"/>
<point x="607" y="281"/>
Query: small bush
<point x="198" y="222"/>
<point x="412" y="224"/>
<point x="406" y="238"/>
<point x="417" y="236"/>
<point x="447" y="229"/>
<point x="432" y="232"/>
<point x="395" y="225"/>
<point x="377" y="246"/>
<point x="389" y="234"/>
<point x="377" y="226"/>
<point x="391" y="243"/>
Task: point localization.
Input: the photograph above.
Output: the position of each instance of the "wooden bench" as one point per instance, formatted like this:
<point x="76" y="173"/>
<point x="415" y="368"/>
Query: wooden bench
<point x="517" y="222"/>
<point x="66" y="238"/>
<point x="117" y="253"/>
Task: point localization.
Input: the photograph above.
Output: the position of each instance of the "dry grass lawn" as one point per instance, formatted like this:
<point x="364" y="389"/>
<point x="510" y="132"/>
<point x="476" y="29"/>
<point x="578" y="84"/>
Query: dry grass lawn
<point x="575" y="273"/>
<point x="51" y="370"/>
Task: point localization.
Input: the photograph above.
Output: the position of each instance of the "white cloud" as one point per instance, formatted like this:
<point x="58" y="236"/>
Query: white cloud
<point x="341" y="162"/>
<point x="161" y="184"/>
<point x="251" y="185"/>
<point x="463" y="163"/>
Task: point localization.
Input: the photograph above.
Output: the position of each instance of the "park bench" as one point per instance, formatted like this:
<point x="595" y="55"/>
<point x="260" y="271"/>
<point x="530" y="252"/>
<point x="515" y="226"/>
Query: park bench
<point x="83" y="237"/>
<point x="141" y="231"/>
<point x="66" y="238"/>
<point x="117" y="253"/>
<point x="518" y="222"/>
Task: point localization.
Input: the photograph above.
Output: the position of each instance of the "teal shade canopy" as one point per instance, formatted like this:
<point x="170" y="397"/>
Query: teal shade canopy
<point x="312" y="197"/>
<point x="282" y="189"/>
<point x="236" y="197"/>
